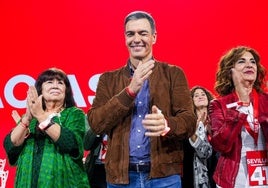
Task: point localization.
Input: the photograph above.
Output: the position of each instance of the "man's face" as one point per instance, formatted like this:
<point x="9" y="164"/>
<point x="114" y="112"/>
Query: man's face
<point x="139" y="39"/>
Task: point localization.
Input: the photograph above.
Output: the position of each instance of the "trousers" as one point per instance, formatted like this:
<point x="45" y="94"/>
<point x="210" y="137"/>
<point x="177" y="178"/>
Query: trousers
<point x="141" y="180"/>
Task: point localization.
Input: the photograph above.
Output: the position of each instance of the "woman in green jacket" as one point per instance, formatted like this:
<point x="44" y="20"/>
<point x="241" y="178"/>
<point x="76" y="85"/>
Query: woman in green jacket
<point x="47" y="143"/>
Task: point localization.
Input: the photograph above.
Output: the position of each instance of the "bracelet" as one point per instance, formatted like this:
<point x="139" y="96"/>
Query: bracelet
<point x="237" y="104"/>
<point x="130" y="93"/>
<point x="24" y="125"/>
<point x="167" y="129"/>
<point x="240" y="103"/>
<point x="18" y="121"/>
<point x="28" y="133"/>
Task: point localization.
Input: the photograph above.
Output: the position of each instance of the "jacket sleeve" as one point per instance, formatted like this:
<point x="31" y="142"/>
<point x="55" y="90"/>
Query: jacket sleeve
<point x="112" y="102"/>
<point x="91" y="140"/>
<point x="202" y="148"/>
<point x="181" y="119"/>
<point x="12" y="151"/>
<point x="226" y="126"/>
<point x="72" y="133"/>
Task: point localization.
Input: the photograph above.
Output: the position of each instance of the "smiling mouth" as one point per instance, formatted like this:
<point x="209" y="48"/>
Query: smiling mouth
<point x="55" y="93"/>
<point x="136" y="46"/>
<point x="249" y="72"/>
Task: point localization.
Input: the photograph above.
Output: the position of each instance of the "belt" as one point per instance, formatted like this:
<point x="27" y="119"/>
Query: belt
<point x="140" y="167"/>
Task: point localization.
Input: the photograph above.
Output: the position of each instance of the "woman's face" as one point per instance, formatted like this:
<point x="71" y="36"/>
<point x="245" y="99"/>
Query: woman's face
<point x="200" y="98"/>
<point x="247" y="67"/>
<point x="54" y="90"/>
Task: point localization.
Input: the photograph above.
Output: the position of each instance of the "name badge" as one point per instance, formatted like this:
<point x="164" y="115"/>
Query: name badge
<point x="257" y="164"/>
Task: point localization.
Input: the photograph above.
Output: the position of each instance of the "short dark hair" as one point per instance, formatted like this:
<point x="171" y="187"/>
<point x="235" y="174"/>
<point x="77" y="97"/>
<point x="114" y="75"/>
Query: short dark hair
<point x="136" y="15"/>
<point x="55" y="73"/>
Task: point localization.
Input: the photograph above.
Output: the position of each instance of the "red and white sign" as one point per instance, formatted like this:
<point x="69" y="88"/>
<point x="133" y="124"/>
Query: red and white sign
<point x="257" y="163"/>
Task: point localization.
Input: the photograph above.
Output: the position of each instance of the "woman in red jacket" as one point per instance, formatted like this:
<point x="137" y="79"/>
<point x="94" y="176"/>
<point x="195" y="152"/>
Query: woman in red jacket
<point x="239" y="120"/>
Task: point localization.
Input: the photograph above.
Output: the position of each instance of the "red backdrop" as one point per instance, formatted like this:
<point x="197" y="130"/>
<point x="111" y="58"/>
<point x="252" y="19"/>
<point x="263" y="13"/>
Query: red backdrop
<point x="86" y="38"/>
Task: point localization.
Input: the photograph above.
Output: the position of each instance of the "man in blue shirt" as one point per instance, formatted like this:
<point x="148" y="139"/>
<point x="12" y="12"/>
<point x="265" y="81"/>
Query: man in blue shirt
<point x="146" y="110"/>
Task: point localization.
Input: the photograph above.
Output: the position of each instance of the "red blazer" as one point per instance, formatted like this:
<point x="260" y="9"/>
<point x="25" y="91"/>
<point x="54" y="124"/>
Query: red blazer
<point x="226" y="125"/>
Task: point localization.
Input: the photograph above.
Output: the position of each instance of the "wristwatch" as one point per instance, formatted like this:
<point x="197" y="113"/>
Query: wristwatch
<point x="50" y="123"/>
<point x="47" y="123"/>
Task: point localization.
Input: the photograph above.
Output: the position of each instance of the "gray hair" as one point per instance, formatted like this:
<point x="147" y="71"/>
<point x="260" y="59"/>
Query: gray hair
<point x="136" y="15"/>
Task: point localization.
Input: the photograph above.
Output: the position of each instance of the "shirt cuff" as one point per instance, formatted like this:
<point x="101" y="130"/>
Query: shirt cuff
<point x="196" y="143"/>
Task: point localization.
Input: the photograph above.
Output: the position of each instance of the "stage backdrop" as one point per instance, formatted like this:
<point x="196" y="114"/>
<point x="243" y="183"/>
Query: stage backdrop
<point x="86" y="38"/>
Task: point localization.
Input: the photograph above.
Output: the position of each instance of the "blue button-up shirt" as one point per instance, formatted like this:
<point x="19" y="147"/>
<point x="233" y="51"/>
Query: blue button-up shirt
<point x="139" y="144"/>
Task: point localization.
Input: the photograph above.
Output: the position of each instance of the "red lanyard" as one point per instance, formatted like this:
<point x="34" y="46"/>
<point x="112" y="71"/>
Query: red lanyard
<point x="255" y="131"/>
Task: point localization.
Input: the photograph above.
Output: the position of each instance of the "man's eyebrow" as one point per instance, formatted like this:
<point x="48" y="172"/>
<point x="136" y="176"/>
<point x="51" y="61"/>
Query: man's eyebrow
<point x="140" y="31"/>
